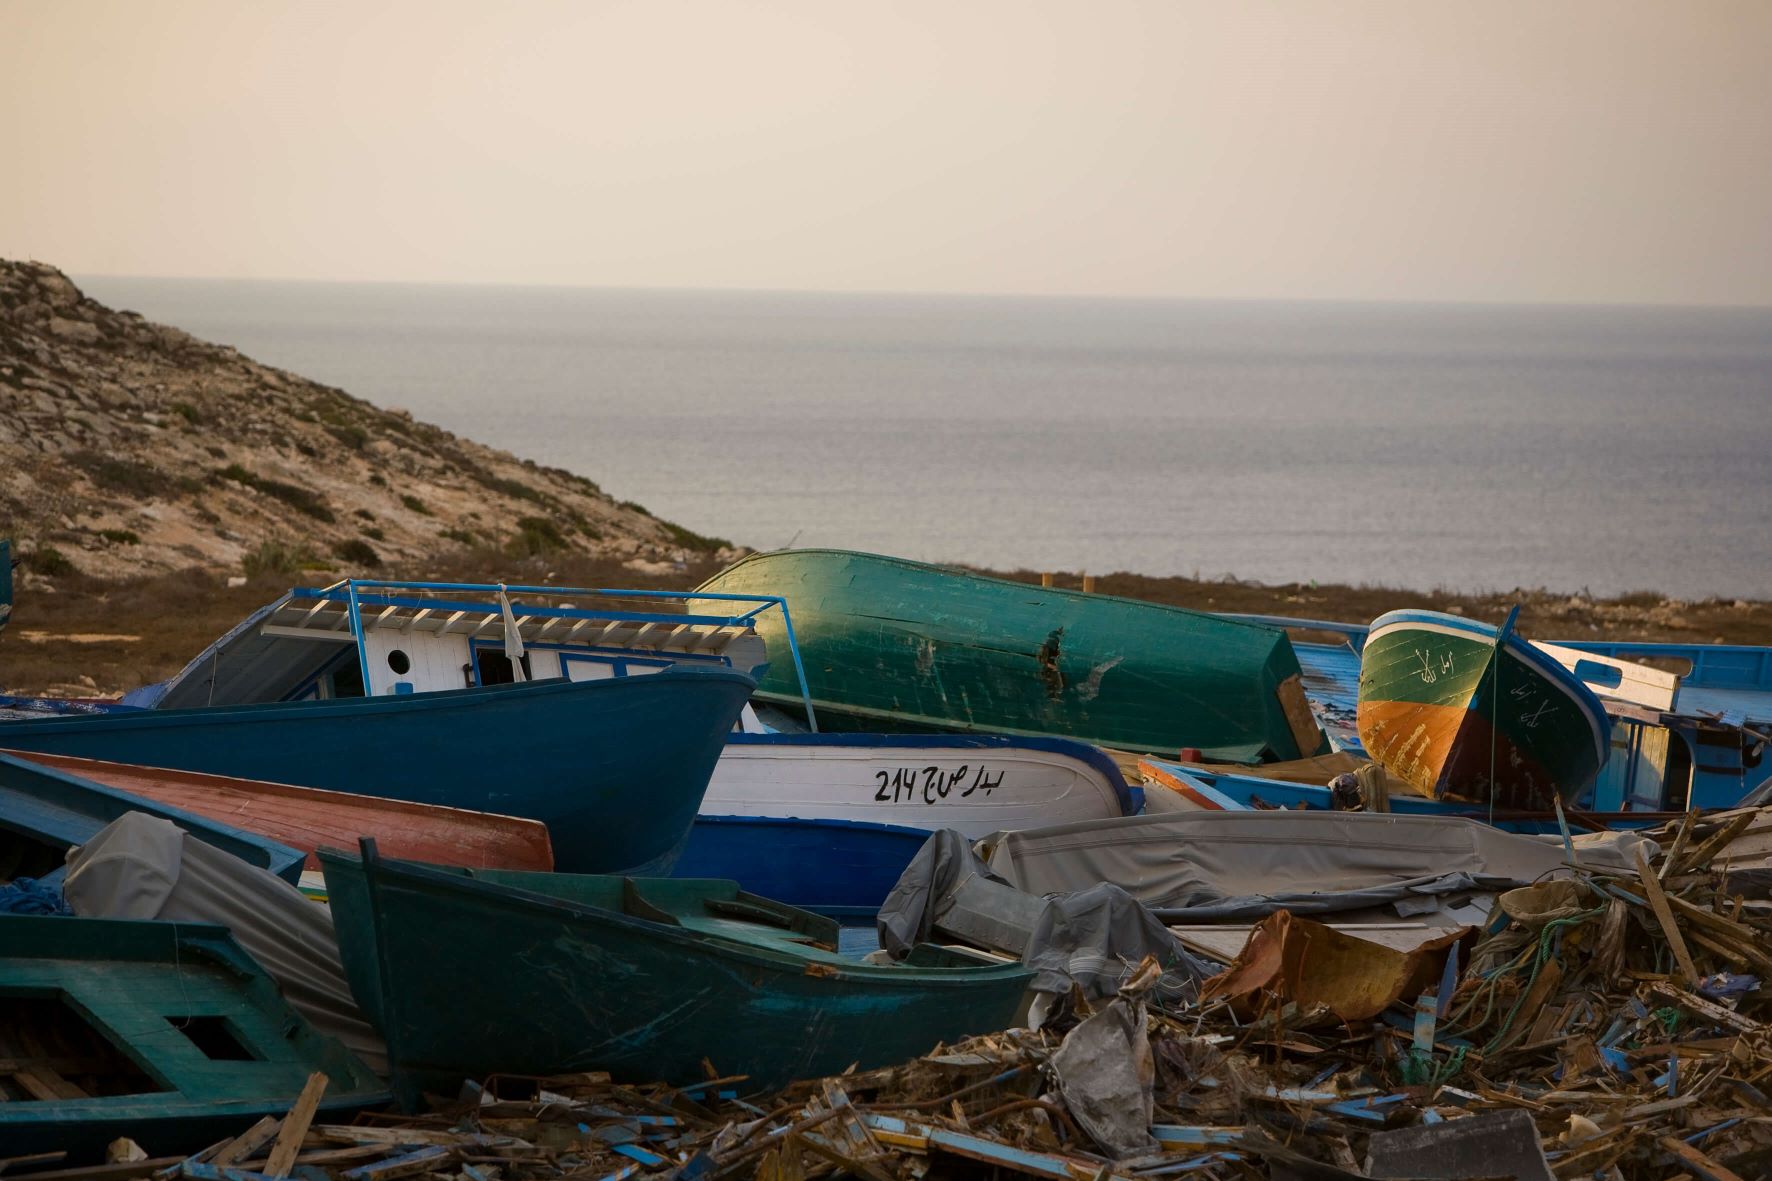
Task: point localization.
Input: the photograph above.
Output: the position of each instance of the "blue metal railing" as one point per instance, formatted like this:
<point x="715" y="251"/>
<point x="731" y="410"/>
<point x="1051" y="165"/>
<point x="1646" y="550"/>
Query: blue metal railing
<point x="355" y="589"/>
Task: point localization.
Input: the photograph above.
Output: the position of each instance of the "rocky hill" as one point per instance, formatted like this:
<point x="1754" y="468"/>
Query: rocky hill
<point x="128" y="447"/>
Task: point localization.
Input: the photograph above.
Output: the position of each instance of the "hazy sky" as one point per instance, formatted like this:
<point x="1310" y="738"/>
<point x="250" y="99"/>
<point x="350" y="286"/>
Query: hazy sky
<point x="1533" y="150"/>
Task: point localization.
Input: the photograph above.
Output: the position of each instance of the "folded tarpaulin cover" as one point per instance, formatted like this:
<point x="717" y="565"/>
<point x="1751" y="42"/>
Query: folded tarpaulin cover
<point x="1220" y="866"/>
<point x="142" y="867"/>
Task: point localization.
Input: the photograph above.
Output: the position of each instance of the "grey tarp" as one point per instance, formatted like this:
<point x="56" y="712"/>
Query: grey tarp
<point x="1090" y="938"/>
<point x="1225" y="866"/>
<point x="1095" y="937"/>
<point x="907" y="916"/>
<point x="142" y="867"/>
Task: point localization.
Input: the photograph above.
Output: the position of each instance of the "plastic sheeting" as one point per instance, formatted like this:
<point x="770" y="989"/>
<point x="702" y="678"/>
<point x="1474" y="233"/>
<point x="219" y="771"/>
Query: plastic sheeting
<point x="1222" y="866"/>
<point x="142" y="867"/>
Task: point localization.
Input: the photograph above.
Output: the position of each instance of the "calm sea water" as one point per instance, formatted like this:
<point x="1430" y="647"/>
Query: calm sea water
<point x="1442" y="445"/>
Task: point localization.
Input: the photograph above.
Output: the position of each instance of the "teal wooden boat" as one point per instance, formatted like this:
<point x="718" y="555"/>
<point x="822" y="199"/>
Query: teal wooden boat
<point x="473" y="972"/>
<point x="166" y="1033"/>
<point x="1465" y="711"/>
<point x="902" y="646"/>
<point x="44" y="812"/>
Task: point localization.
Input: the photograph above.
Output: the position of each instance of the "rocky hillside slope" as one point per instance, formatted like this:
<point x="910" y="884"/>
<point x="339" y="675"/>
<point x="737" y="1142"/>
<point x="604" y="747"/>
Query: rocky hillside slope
<point x="128" y="447"/>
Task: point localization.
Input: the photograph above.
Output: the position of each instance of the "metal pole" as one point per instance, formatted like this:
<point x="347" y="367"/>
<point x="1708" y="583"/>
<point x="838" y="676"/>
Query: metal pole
<point x="799" y="668"/>
<point x="357" y="630"/>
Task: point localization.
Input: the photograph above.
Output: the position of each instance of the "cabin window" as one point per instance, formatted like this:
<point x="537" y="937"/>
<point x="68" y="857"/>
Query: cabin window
<point x="215" y="1037"/>
<point x="399" y="662"/>
<point x="347" y="680"/>
<point x="495" y="667"/>
<point x="64" y="1048"/>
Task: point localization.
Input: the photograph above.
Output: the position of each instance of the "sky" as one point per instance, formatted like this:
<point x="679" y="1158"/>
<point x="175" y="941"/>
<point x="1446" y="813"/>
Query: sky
<point x="1495" y="150"/>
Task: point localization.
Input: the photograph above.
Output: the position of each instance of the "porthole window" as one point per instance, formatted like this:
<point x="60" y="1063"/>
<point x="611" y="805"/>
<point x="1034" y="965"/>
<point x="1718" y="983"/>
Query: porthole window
<point x="399" y="662"/>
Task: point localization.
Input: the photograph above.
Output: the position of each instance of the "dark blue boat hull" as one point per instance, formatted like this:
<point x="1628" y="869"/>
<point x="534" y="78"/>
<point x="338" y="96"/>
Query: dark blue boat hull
<point x="841" y="868"/>
<point x="615" y="768"/>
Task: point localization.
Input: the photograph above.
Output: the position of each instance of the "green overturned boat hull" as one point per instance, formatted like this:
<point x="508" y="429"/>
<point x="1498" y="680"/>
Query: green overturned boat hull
<point x="891" y="645"/>
<point x="468" y="973"/>
<point x="166" y="1033"/>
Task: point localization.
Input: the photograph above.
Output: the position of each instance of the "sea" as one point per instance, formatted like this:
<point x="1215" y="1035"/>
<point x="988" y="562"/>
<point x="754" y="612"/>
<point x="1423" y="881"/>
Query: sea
<point x="1469" y="447"/>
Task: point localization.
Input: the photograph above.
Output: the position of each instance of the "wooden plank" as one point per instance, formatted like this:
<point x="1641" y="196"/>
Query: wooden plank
<point x="1296" y="708"/>
<point x="1714" y="1013"/>
<point x="1665" y="916"/>
<point x="120" y="1171"/>
<point x="1700" y="1164"/>
<point x="247" y="1142"/>
<point x="424" y="1160"/>
<point x="295" y="1126"/>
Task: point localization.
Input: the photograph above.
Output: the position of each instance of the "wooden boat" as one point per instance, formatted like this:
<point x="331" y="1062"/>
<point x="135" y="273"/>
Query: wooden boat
<point x="645" y="978"/>
<point x="840" y="868"/>
<point x="893" y="645"/>
<point x="45" y="811"/>
<point x="615" y="768"/>
<point x="975" y="784"/>
<point x="1465" y="711"/>
<point x="164" y="1032"/>
<point x="829" y="821"/>
<point x="306" y="818"/>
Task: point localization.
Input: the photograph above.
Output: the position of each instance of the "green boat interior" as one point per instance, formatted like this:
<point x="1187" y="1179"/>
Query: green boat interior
<point x="711" y="907"/>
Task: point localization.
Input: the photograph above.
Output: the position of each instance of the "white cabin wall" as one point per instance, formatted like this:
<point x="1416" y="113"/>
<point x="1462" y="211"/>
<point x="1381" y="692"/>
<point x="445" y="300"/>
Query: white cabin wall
<point x="436" y="660"/>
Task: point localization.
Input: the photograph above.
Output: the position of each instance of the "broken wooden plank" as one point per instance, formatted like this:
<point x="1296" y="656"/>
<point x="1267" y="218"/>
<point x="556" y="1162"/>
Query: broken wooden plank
<point x="247" y="1142"/>
<point x="1700" y="1164"/>
<point x="295" y="1126"/>
<point x="1665" y="916"/>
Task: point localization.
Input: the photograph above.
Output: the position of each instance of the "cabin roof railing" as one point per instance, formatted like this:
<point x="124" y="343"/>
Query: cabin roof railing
<point x="366" y="604"/>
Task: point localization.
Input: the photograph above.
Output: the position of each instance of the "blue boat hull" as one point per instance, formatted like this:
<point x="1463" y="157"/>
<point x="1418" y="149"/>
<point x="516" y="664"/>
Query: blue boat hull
<point x="615" y="768"/>
<point x="840" y="868"/>
<point x="1250" y="791"/>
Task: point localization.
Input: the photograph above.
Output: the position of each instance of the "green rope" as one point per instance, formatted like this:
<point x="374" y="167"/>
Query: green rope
<point x="1538" y="961"/>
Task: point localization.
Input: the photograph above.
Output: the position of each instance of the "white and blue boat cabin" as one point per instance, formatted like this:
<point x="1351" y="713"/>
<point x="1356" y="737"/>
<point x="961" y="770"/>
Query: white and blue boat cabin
<point x="364" y="638"/>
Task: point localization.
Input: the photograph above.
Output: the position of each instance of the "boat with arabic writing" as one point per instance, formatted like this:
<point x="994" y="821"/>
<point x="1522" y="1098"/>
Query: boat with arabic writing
<point x="828" y="822"/>
<point x="1465" y="711"/>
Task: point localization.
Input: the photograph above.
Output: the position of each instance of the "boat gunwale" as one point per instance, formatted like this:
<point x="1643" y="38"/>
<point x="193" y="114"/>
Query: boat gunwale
<point x="280" y="859"/>
<point x="439" y="699"/>
<point x="1087" y="597"/>
<point x="705" y="942"/>
<point x="1231" y="753"/>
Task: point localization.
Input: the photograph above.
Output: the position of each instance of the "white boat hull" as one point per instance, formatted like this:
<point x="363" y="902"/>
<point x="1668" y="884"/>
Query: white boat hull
<point x="973" y="785"/>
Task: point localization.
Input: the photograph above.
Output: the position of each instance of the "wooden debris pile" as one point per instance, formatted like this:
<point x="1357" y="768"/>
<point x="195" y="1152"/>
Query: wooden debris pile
<point x="1606" y="1025"/>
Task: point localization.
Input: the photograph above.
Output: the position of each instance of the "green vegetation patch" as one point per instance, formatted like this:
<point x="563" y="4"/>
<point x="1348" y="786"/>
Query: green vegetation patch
<point x="351" y="435"/>
<point x="114" y="474"/>
<point x="537" y="535"/>
<point x="690" y="539"/>
<point x="121" y="536"/>
<point x="358" y="552"/>
<point x="49" y="562"/>
<point x="302" y="500"/>
<point x="277" y="558"/>
<point x="415" y="504"/>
